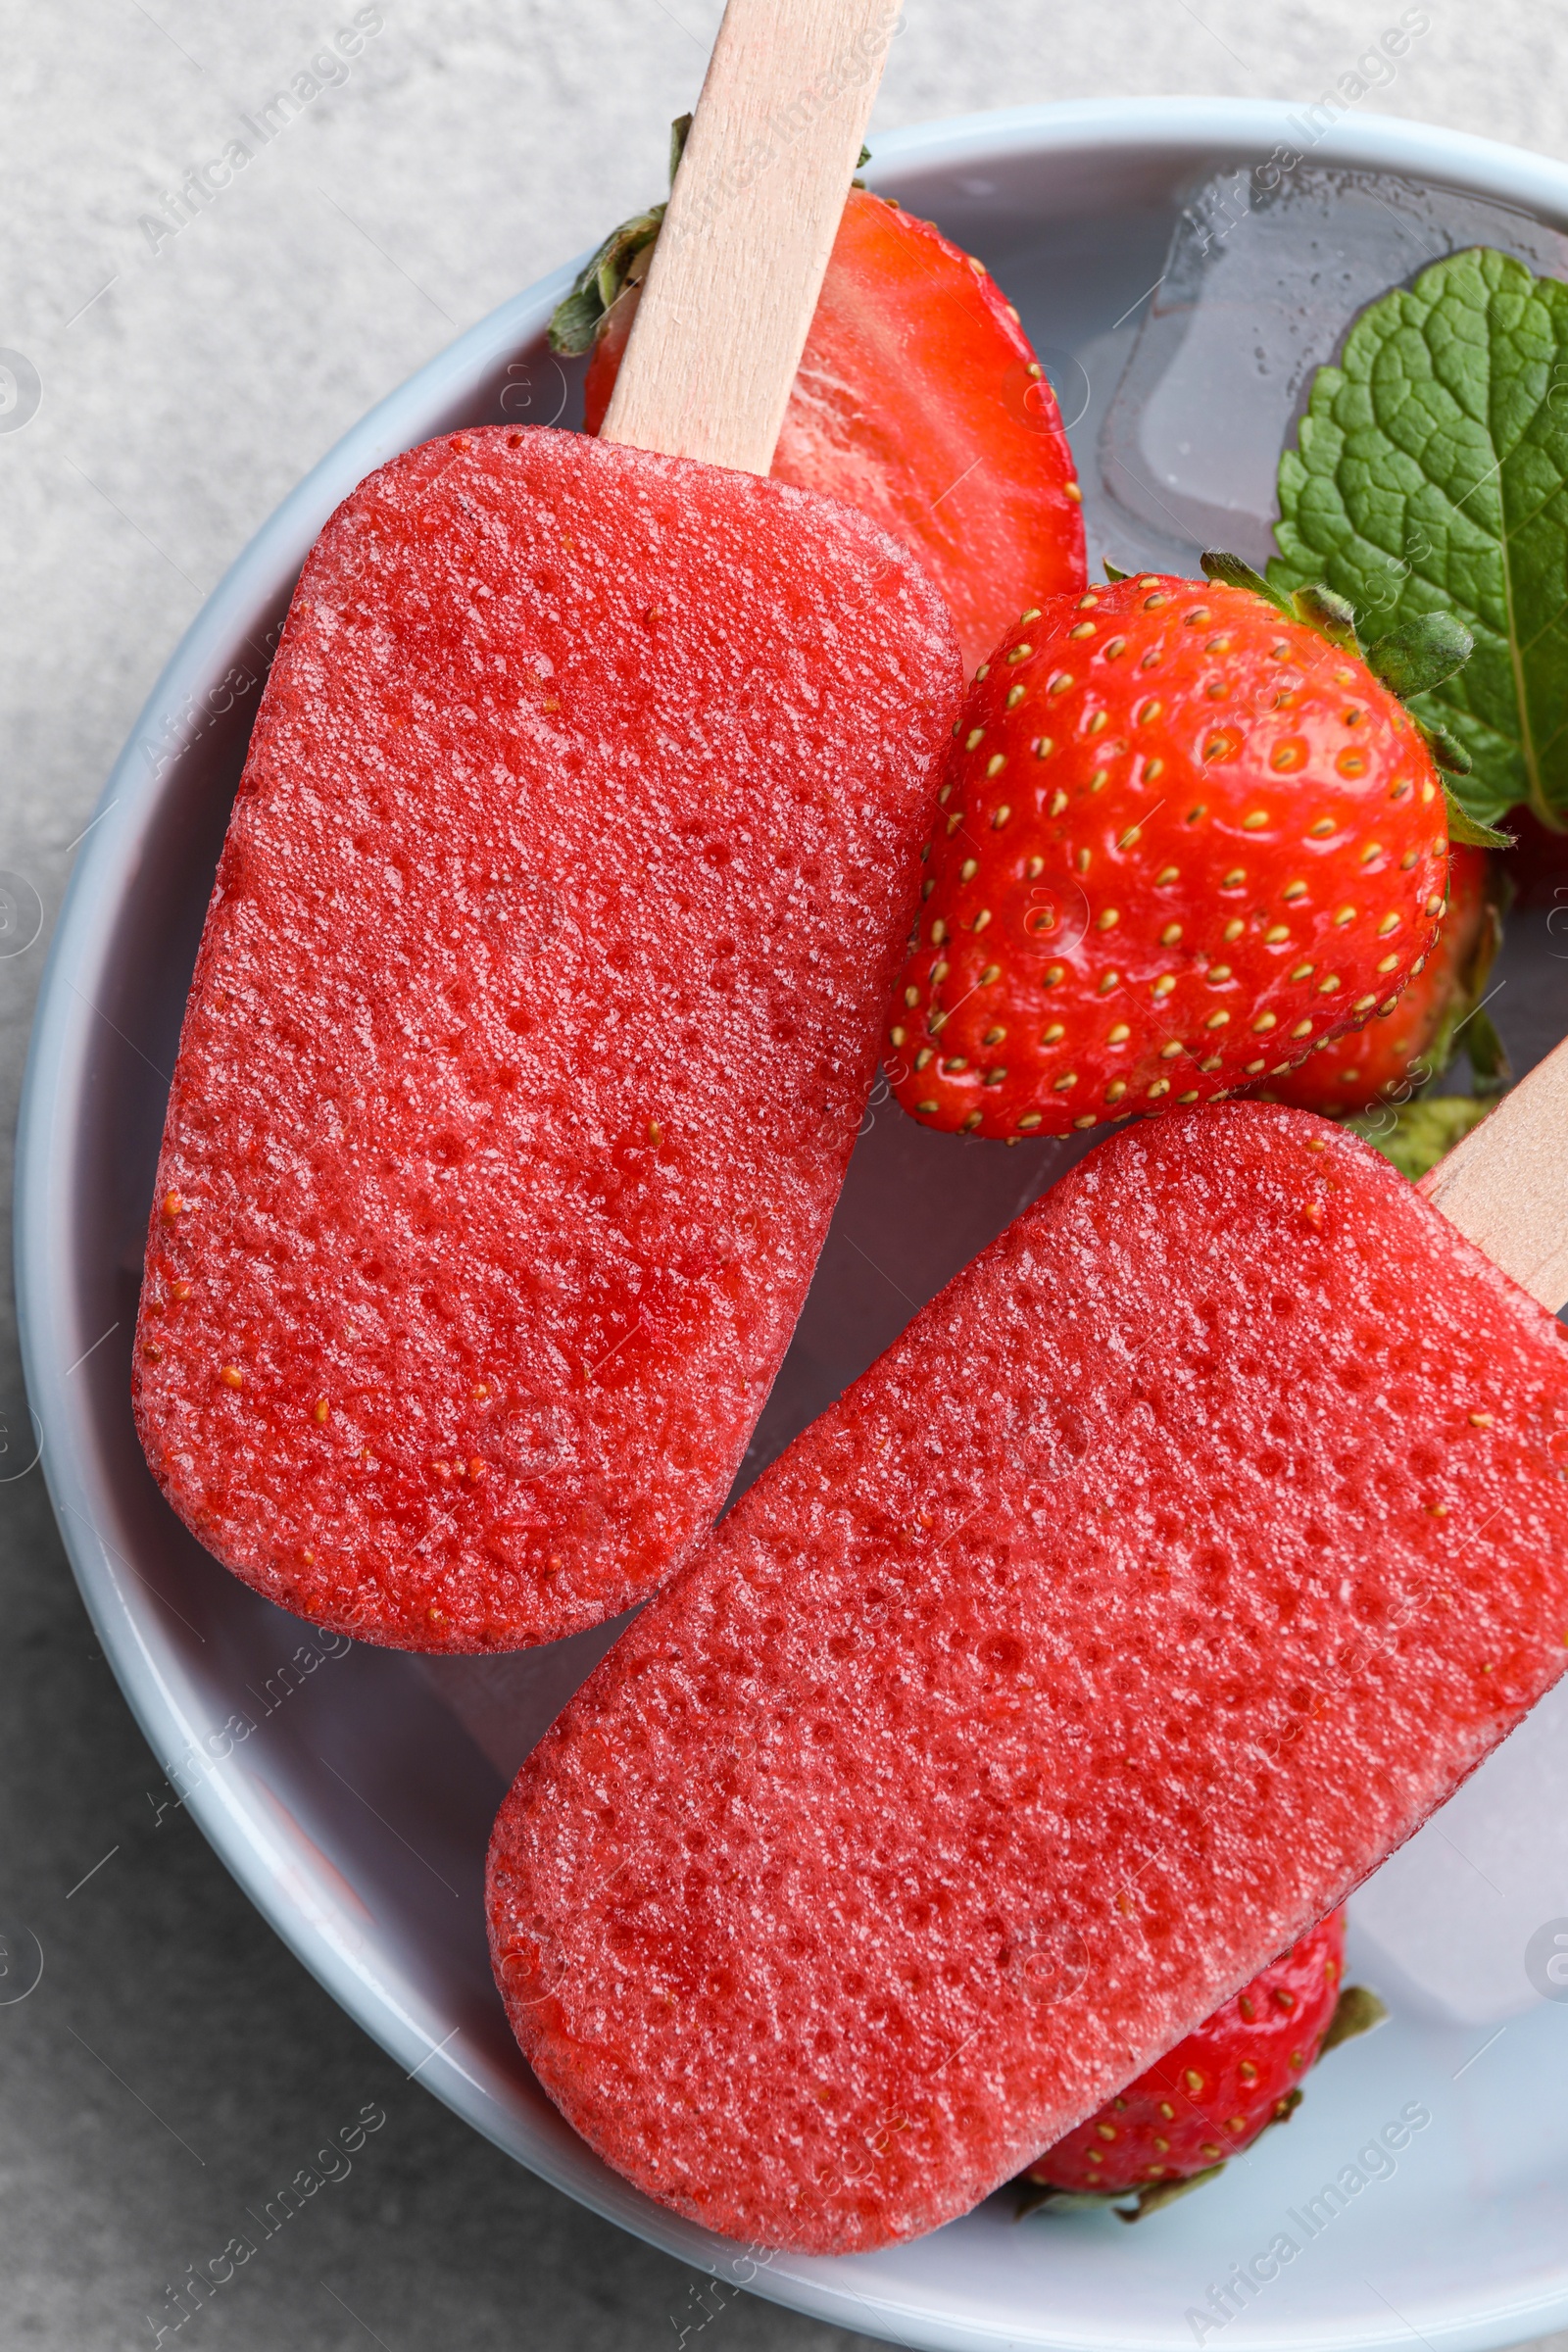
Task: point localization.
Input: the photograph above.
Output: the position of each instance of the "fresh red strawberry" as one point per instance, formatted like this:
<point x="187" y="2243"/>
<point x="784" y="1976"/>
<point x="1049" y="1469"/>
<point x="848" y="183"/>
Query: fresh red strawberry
<point x="1210" y="2096"/>
<point x="1183" y="837"/>
<point x="918" y="400"/>
<point x="1414" y="1042"/>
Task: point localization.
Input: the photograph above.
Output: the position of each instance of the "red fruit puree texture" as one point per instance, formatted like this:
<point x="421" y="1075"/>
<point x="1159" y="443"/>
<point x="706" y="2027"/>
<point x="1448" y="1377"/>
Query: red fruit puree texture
<point x="530" y="1030"/>
<point x="1176" y="1561"/>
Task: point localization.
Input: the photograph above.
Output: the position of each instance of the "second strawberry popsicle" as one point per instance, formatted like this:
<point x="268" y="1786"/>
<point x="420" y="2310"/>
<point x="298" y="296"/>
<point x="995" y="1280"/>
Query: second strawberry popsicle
<point x="1177" y="1561"/>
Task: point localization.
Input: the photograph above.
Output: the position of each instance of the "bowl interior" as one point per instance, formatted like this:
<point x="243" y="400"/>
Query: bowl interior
<point x="339" y="1788"/>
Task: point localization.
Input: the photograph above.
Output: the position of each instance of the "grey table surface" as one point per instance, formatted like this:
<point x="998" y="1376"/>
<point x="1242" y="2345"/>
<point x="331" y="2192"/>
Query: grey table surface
<point x="187" y="381"/>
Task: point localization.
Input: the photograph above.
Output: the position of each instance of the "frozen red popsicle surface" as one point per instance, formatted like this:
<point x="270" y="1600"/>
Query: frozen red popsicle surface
<point x="530" y="1029"/>
<point x="1181" y="1556"/>
<point x="537" y="1002"/>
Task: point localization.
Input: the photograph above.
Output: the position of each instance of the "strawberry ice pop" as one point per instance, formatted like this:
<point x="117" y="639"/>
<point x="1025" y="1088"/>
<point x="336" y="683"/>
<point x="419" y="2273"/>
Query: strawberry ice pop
<point x="1178" y="1561"/>
<point x="538" y="995"/>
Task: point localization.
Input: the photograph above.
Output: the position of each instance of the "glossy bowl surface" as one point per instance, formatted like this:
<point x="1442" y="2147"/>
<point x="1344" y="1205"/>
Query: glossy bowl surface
<point x="338" y="1787"/>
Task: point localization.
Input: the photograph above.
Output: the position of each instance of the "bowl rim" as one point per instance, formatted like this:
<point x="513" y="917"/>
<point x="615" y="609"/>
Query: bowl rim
<point x="247" y="1836"/>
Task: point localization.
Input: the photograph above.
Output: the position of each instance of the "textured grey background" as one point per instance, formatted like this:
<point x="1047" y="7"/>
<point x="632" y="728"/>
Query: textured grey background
<point x="184" y="391"/>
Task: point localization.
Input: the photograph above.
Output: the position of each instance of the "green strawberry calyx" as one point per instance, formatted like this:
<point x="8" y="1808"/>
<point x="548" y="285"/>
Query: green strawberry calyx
<point x="1411" y="660"/>
<point x="621" y="260"/>
<point x="1356" y="2011"/>
<point x="1419" y="1134"/>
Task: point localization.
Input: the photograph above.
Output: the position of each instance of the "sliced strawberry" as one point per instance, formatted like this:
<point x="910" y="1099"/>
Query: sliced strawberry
<point x="1183" y="838"/>
<point x="919" y="400"/>
<point x="1210" y="2096"/>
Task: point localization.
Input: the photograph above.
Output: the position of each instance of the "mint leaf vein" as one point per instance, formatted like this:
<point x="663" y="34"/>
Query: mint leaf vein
<point x="1429" y="474"/>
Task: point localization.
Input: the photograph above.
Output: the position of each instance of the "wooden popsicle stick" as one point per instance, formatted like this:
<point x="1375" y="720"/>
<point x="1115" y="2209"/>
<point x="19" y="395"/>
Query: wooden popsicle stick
<point x="1505" y="1186"/>
<point x="732" y="287"/>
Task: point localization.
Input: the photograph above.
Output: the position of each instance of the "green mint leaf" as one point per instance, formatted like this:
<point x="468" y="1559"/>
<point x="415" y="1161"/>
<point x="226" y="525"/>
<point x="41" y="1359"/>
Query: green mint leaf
<point x="1422" y="655"/>
<point x="1431" y="472"/>
<point x="1113" y="571"/>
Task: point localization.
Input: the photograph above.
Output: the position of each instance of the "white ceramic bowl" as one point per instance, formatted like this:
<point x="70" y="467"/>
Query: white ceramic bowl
<point x="336" y="1786"/>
